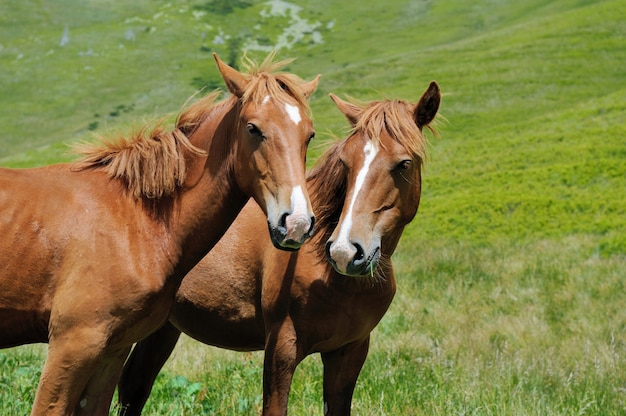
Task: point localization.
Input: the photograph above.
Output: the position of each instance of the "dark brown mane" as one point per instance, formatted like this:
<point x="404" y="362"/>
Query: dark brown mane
<point x="327" y="188"/>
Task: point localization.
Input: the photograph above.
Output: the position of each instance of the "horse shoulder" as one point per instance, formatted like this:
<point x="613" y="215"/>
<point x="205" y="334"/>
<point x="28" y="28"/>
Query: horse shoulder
<point x="224" y="289"/>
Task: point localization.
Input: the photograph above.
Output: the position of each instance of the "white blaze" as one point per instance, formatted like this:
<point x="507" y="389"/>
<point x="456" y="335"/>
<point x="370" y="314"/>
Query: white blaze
<point x="298" y="223"/>
<point x="342" y="250"/>
<point x="298" y="201"/>
<point x="293" y="112"/>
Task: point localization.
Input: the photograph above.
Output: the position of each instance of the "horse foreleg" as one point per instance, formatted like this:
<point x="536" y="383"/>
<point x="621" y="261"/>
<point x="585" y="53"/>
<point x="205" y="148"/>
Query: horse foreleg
<point x="281" y="359"/>
<point x="98" y="394"/>
<point x="71" y="361"/>
<point x="341" y="370"/>
<point x="142" y="368"/>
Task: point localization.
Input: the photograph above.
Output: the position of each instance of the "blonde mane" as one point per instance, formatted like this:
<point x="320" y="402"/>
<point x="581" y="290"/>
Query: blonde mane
<point x="152" y="162"/>
<point x="266" y="80"/>
<point x="397" y="118"/>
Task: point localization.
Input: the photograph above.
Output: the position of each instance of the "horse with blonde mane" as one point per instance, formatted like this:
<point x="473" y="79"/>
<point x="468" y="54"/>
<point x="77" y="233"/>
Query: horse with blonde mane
<point x="364" y="191"/>
<point x="93" y="252"/>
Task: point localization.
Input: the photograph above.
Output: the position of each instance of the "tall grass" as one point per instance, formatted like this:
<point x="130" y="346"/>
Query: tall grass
<point x="508" y="329"/>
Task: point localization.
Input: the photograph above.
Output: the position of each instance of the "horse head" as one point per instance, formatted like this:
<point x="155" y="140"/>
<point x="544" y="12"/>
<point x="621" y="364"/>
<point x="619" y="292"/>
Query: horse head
<point x="274" y="130"/>
<point x="382" y="161"/>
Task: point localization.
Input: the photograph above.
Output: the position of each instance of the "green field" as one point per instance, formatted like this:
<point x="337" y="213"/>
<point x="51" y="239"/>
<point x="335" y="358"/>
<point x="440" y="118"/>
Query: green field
<point x="511" y="277"/>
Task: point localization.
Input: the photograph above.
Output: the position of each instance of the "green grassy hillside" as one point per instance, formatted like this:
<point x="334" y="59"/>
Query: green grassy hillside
<point x="511" y="286"/>
<point x="534" y="92"/>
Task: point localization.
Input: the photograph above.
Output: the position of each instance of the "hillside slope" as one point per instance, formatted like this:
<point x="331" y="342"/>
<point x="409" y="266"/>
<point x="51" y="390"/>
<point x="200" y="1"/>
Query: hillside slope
<point x="535" y="98"/>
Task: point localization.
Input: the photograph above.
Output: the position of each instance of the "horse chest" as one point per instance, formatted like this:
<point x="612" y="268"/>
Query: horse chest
<point x="328" y="318"/>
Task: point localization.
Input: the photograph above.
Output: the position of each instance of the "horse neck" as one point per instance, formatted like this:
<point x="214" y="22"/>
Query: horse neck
<point x="205" y="209"/>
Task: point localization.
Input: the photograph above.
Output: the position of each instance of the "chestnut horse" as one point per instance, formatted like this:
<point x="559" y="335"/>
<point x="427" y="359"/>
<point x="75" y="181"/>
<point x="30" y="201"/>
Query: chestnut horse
<point x="93" y="252"/>
<point x="364" y="191"/>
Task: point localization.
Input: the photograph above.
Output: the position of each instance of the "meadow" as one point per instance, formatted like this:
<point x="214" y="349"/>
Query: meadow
<point x="511" y="277"/>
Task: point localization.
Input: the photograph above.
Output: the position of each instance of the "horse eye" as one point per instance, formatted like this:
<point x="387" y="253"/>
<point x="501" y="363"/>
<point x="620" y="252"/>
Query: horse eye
<point x="310" y="138"/>
<point x="283" y="86"/>
<point x="403" y="165"/>
<point x="254" y="130"/>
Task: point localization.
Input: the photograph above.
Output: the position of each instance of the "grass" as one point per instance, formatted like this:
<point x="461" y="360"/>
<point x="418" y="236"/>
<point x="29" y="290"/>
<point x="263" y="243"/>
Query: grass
<point x="508" y="329"/>
<point x="511" y="294"/>
<point x="504" y="330"/>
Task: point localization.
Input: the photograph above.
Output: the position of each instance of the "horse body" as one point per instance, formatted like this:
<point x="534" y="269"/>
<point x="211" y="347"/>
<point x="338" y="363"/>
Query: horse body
<point x="223" y="302"/>
<point x="295" y="304"/>
<point x="291" y="304"/>
<point x="51" y="245"/>
<point x="94" y="252"/>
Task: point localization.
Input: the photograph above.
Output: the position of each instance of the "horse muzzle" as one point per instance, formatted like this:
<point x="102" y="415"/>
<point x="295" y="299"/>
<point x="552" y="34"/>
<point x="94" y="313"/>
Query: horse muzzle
<point x="291" y="231"/>
<point x="351" y="259"/>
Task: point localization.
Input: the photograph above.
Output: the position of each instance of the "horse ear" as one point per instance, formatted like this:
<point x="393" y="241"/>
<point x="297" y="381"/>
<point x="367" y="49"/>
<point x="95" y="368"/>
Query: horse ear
<point x="426" y="108"/>
<point x="351" y="111"/>
<point x="309" y="88"/>
<point x="235" y="81"/>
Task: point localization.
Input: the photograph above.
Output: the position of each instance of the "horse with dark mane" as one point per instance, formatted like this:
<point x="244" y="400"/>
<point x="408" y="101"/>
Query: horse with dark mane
<point x="93" y="252"/>
<point x="364" y="191"/>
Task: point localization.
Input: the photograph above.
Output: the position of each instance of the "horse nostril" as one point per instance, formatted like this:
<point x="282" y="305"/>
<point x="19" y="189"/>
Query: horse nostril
<point x="359" y="256"/>
<point x="327" y="249"/>
<point x="282" y="221"/>
<point x="312" y="226"/>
